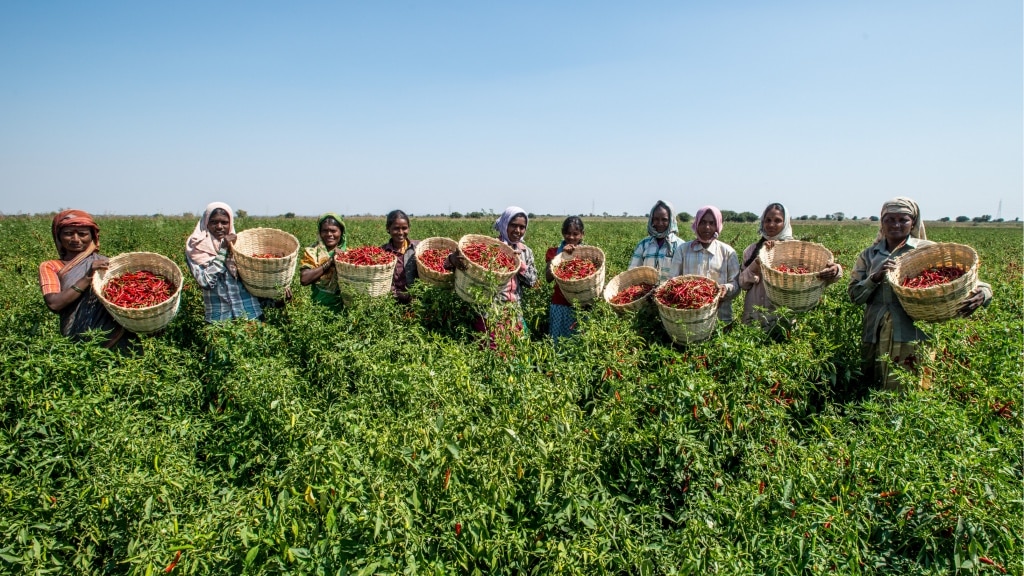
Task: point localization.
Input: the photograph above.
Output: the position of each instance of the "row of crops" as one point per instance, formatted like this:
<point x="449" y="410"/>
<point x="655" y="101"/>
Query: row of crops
<point x="385" y="439"/>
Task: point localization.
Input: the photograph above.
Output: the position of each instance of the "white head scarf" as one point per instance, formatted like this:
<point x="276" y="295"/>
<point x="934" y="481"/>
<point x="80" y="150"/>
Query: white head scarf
<point x="501" y="224"/>
<point x="787" y="226"/>
<point x="200" y="247"/>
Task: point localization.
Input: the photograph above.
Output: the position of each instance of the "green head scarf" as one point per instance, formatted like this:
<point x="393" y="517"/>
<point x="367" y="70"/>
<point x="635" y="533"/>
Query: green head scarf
<point x="341" y="224"/>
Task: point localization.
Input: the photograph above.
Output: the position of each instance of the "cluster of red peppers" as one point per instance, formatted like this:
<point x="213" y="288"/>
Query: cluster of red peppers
<point x="365" y="256"/>
<point x="688" y="294"/>
<point x="434" y="258"/>
<point x="792" y="269"/>
<point x="490" y="256"/>
<point x="138" y="290"/>
<point x="575" y="269"/>
<point x="632" y="294"/>
<point x="267" y="255"/>
<point x="933" y="277"/>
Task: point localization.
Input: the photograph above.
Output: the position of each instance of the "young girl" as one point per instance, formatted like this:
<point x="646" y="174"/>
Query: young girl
<point x="397" y="225"/>
<point x="662" y="249"/>
<point x="775" y="226"/>
<point x="890" y="337"/>
<point x="209" y="258"/>
<point x="561" y="316"/>
<point x="317" y="266"/>
<point x="709" y="257"/>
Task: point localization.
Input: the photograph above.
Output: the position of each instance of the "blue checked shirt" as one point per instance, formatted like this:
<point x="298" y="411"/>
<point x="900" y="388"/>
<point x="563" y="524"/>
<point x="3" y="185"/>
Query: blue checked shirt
<point x="666" y="258"/>
<point x="224" y="296"/>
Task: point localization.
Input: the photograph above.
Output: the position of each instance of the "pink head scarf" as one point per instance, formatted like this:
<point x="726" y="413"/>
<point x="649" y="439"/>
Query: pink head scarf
<point x="200" y="247"/>
<point x="700" y="214"/>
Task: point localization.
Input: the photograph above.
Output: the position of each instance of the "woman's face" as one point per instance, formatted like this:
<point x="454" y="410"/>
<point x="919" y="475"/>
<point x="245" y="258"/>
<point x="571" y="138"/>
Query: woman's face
<point x="330" y="235"/>
<point x="75" y="239"/>
<point x="707" y="227"/>
<point x="516" y="229"/>
<point x="896" y="227"/>
<point x="573" y="235"/>
<point x="219" y="225"/>
<point x="660" y="219"/>
<point x="773" y="221"/>
<point x="399" y="231"/>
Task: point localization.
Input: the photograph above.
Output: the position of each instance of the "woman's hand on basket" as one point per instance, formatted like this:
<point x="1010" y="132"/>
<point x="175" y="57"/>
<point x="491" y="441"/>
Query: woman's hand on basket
<point x="830" y="272"/>
<point x="769" y="244"/>
<point x="100" y="263"/>
<point x="723" y="291"/>
<point x="229" y="239"/>
<point x="973" y="301"/>
<point x="569" y="248"/>
<point x="879" y="273"/>
<point x="455" y="260"/>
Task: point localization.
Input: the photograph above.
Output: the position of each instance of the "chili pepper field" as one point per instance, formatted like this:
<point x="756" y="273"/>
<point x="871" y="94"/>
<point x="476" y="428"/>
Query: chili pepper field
<point x="387" y="440"/>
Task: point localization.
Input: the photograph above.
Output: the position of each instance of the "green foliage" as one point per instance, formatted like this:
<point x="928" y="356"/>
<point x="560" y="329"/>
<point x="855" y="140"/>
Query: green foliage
<point x="390" y="439"/>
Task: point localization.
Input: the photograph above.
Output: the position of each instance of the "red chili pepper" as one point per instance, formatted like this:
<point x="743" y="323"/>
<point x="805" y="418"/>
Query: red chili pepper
<point x="991" y="562"/>
<point x="575" y="269"/>
<point x="632" y="294"/>
<point x="173" y="563"/>
<point x="490" y="256"/>
<point x="458" y="528"/>
<point x="687" y="294"/>
<point x="267" y="255"/>
<point x="365" y="256"/>
<point x="760" y="487"/>
<point x="792" y="269"/>
<point x="932" y="277"/>
<point x="434" y="258"/>
<point x="138" y="290"/>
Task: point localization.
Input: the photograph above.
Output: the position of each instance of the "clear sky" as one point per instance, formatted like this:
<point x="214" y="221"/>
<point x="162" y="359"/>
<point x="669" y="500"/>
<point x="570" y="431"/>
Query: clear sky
<point x="559" y="107"/>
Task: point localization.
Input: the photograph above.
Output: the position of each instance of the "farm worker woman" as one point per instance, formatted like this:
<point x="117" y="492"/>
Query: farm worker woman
<point x="209" y="258"/>
<point x="890" y="337"/>
<point x="67" y="283"/>
<point x="709" y="257"/>
<point x="397" y="225"/>
<point x="561" y="317"/>
<point x="662" y="249"/>
<point x="775" y="226"/>
<point x="317" y="266"/>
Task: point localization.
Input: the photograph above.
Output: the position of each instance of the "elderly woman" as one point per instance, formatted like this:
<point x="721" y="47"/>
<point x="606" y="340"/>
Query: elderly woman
<point x="710" y="257"/>
<point x="209" y="258"/>
<point x="890" y="337"/>
<point x="317" y="266"/>
<point x="662" y="249"/>
<point x="404" y="249"/>
<point x="775" y="226"/>
<point x="67" y="283"/>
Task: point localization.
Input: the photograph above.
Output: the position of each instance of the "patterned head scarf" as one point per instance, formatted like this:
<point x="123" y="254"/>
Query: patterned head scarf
<point x="501" y="224"/>
<point x="200" y="246"/>
<point x="700" y="214"/>
<point x="787" y="225"/>
<point x="73" y="218"/>
<point x="341" y="223"/>
<point x="903" y="205"/>
<point x="673" y="227"/>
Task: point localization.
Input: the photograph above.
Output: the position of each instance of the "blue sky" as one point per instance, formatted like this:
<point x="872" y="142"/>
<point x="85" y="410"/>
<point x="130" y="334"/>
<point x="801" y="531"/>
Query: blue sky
<point x="559" y="107"/>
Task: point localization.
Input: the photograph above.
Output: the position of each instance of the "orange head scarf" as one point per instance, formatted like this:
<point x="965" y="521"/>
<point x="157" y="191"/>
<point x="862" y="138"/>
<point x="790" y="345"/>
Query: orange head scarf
<point x="73" y="218"/>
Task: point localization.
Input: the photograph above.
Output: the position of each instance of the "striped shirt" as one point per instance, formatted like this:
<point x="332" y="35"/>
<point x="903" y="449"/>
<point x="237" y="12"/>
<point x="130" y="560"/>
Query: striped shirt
<point x="718" y="262"/>
<point x="666" y="258"/>
<point x="224" y="296"/>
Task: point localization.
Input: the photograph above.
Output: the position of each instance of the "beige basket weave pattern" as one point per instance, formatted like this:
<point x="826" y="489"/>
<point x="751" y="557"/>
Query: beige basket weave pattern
<point x="937" y="303"/>
<point x="477" y="285"/>
<point x="265" y="277"/>
<point x="798" y="292"/>
<point x="151" y="318"/>
<point x="370" y="281"/>
<point x="433" y="277"/>
<point x="582" y="290"/>
<point x="627" y="279"/>
<point x="685" y="325"/>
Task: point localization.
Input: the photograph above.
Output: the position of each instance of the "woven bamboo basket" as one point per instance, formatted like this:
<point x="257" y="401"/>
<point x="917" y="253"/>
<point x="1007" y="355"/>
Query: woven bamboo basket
<point x="370" y="281"/>
<point x="798" y="292"/>
<point x="582" y="290"/>
<point x="476" y="284"/>
<point x="631" y="277"/>
<point x="433" y="277"/>
<point x="266" y="277"/>
<point x="151" y="318"/>
<point x="683" y="325"/>
<point x="937" y="303"/>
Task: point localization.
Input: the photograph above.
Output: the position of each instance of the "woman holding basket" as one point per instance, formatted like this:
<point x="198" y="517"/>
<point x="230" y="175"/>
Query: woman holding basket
<point x="890" y="336"/>
<point x="404" y="249"/>
<point x="662" y="249"/>
<point x="317" y="266"/>
<point x="710" y="257"/>
<point x="66" y="283"/>
<point x="775" y="226"/>
<point x="209" y="258"/>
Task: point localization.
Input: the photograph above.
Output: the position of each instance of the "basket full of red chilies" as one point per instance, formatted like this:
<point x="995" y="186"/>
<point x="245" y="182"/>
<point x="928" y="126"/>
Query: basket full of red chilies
<point x="932" y="281"/>
<point x="490" y="264"/>
<point x="629" y="291"/>
<point x="580" y="275"/>
<point x="688" y="306"/>
<point x="367" y="270"/>
<point x="430" y="256"/>
<point x="141" y="290"/>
